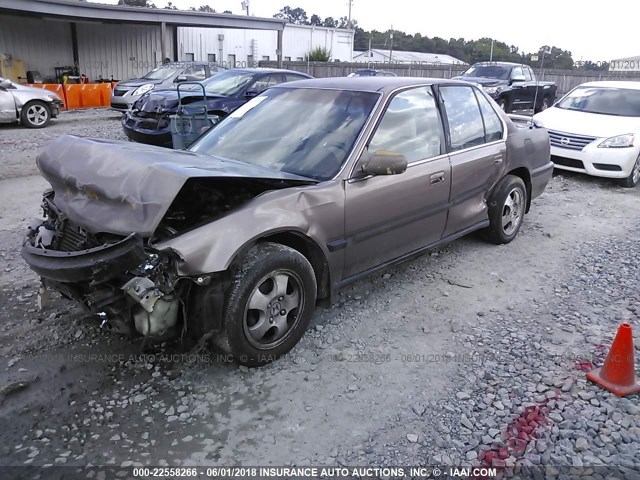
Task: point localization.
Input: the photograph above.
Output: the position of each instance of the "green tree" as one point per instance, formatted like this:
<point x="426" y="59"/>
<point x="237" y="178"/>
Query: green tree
<point x="330" y="22"/>
<point x="293" y="15"/>
<point x="135" y="3"/>
<point x="203" y="8"/>
<point x="315" y="20"/>
<point x="318" y="54"/>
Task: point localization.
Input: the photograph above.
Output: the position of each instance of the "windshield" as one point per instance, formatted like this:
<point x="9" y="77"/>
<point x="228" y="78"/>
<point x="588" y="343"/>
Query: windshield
<point x="227" y="83"/>
<point x="488" y="71"/>
<point x="623" y="102"/>
<point x="306" y="132"/>
<point x="162" y="72"/>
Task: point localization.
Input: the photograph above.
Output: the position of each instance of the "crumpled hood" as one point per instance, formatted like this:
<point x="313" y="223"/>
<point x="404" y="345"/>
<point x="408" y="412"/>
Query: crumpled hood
<point x="158" y="101"/>
<point x="123" y="187"/>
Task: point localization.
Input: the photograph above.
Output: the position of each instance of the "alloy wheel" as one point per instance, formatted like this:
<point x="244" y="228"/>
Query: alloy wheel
<point x="273" y="309"/>
<point x="512" y="211"/>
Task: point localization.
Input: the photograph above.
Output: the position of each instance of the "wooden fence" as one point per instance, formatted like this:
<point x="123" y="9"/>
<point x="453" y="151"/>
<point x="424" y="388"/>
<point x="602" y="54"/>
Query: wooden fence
<point x="565" y="79"/>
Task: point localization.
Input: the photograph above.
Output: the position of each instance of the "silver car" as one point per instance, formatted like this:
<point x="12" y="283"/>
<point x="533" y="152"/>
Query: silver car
<point x="29" y="106"/>
<point x="167" y="75"/>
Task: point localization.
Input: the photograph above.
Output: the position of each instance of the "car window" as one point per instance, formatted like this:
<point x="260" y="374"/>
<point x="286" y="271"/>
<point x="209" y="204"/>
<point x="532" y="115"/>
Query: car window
<point x="527" y="74"/>
<point x="196" y="72"/>
<point x="290" y="77"/>
<point x="493" y="127"/>
<point x="308" y="132"/>
<point x="517" y="72"/>
<point x="410" y="126"/>
<point x="463" y="116"/>
<point x="265" y="82"/>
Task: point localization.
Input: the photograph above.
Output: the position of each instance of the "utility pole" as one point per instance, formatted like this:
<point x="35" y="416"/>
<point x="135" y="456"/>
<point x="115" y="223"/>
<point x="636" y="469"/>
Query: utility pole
<point x="491" y="54"/>
<point x="245" y="6"/>
<point x="391" y="46"/>
<point x="350" y="24"/>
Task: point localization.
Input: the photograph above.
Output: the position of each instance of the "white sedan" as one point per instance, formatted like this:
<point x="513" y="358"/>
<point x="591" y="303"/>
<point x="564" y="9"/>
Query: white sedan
<point x="595" y="129"/>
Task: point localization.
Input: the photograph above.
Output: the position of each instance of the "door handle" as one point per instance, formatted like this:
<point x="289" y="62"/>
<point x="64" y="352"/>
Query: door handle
<point x="497" y="158"/>
<point x="436" y="178"/>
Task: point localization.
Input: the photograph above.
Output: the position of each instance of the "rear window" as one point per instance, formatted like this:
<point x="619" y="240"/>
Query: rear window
<point x="622" y="102"/>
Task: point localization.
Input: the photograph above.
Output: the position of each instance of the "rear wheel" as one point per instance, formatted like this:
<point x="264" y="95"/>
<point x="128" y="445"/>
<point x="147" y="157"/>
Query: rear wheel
<point x="35" y="114"/>
<point x="503" y="102"/>
<point x="507" y="206"/>
<point x="546" y="103"/>
<point x="633" y="178"/>
<point x="268" y="306"/>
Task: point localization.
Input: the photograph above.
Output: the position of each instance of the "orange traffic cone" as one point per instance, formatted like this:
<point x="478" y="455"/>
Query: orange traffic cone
<point x="617" y="374"/>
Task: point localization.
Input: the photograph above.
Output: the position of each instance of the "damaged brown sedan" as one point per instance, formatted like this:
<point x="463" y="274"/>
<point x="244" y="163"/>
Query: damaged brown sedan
<point x="306" y="188"/>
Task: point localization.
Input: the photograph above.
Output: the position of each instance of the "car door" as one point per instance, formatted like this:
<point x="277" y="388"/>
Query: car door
<point x="389" y="216"/>
<point x="7" y="106"/>
<point x="477" y="150"/>
<point x="519" y="96"/>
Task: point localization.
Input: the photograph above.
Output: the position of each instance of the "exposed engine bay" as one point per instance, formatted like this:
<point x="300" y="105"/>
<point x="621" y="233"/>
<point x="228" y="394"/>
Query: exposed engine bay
<point x="130" y="285"/>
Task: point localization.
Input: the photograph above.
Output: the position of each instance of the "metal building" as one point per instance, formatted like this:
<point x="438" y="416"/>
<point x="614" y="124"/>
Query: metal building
<point x="105" y="41"/>
<point x="243" y="48"/>
<point x="376" y="55"/>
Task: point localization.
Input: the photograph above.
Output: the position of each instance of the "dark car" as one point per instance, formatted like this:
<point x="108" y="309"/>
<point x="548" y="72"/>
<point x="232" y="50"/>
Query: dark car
<point x="306" y="188"/>
<point x="148" y="121"/>
<point x="369" y="72"/>
<point x="164" y="76"/>
<point x="512" y="85"/>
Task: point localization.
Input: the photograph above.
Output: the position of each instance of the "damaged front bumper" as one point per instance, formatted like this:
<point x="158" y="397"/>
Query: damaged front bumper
<point x="94" y="265"/>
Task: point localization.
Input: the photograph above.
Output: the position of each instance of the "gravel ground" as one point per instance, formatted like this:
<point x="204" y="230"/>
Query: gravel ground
<point x="469" y="355"/>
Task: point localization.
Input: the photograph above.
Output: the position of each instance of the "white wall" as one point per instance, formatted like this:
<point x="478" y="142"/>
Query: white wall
<point x="41" y="45"/>
<point x="243" y="44"/>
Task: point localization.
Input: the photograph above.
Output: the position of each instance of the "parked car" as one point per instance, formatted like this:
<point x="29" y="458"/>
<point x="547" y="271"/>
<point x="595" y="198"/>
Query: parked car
<point x="595" y="129"/>
<point x="370" y="72"/>
<point x="148" y="121"/>
<point x="306" y="188"/>
<point x="512" y="85"/>
<point x="167" y="75"/>
<point x="29" y="106"/>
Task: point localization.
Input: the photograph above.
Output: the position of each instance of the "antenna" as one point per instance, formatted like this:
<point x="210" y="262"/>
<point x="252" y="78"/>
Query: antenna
<point x="535" y="98"/>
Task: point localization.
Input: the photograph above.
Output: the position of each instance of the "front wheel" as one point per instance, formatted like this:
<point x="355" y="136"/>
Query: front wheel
<point x="268" y="306"/>
<point x="507" y="206"/>
<point x="35" y="114"/>
<point x="633" y="178"/>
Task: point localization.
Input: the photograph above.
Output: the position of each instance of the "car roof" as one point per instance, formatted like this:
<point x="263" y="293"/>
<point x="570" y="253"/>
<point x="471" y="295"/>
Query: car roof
<point x="613" y="84"/>
<point x="501" y="64"/>
<point x="268" y="70"/>
<point x="367" y="84"/>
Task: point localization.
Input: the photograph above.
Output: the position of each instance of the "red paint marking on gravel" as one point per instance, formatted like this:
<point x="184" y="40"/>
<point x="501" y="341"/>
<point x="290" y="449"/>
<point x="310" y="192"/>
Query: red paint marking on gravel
<point x="521" y="432"/>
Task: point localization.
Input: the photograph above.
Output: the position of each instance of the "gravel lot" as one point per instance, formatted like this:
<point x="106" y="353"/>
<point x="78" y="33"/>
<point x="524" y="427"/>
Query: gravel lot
<point x="470" y="355"/>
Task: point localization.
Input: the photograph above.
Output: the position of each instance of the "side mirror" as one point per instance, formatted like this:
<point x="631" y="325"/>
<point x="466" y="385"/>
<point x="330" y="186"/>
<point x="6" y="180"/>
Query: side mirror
<point x="518" y="78"/>
<point x="6" y="83"/>
<point x="181" y="78"/>
<point x="383" y="162"/>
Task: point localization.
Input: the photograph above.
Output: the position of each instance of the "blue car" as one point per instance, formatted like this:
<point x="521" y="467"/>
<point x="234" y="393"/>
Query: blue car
<point x="148" y="121"/>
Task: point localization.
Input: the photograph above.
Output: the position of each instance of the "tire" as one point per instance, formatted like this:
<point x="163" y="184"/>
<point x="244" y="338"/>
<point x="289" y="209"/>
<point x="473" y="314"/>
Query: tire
<point x="269" y="274"/>
<point x="504" y="104"/>
<point x="507" y="206"/>
<point x="633" y="178"/>
<point x="35" y="114"/>
<point x="546" y="103"/>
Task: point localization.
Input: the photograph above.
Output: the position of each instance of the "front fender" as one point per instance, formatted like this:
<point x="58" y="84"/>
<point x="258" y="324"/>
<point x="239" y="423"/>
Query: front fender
<point x="315" y="211"/>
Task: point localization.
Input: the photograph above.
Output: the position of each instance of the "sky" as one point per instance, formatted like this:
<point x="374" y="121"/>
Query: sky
<point x="590" y="30"/>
